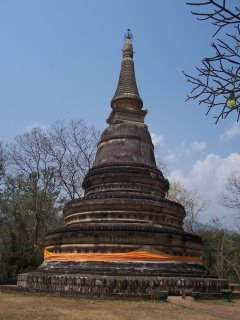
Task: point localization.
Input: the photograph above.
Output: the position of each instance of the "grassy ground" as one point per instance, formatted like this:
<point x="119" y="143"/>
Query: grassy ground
<point x="17" y="306"/>
<point x="233" y="306"/>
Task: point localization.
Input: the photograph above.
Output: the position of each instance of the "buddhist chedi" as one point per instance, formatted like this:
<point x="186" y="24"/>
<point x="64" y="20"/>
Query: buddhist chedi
<point x="123" y="238"/>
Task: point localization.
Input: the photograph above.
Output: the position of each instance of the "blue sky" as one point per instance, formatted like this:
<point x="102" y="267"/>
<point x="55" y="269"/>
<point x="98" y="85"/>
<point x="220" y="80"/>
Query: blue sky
<point x="61" y="60"/>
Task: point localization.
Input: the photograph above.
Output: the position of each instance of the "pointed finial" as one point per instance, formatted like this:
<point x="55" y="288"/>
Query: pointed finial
<point x="127" y="95"/>
<point x="128" y="35"/>
<point x="128" y="48"/>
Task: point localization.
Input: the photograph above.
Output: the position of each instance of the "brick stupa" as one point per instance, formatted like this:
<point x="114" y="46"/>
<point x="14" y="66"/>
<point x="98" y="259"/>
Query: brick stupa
<point x="123" y="238"/>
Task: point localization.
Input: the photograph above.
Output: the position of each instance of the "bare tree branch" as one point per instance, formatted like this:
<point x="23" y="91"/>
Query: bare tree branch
<point x="230" y="196"/>
<point x="193" y="203"/>
<point x="219" y="77"/>
<point x="72" y="149"/>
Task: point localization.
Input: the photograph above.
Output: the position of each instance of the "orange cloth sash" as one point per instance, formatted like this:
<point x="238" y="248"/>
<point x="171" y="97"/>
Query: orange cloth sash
<point x="126" y="256"/>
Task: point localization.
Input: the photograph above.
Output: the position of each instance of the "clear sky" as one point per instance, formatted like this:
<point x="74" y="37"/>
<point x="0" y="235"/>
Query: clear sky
<point x="61" y="60"/>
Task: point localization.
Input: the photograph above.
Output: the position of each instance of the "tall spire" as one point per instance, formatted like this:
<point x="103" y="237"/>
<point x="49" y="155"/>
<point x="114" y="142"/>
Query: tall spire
<point x="127" y="86"/>
<point x="126" y="98"/>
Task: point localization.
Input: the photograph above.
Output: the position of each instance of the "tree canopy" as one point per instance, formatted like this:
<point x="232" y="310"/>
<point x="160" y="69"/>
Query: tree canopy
<point x="39" y="172"/>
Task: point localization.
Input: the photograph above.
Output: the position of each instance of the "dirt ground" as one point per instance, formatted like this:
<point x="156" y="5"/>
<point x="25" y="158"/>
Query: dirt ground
<point x="233" y="307"/>
<point x="14" y="305"/>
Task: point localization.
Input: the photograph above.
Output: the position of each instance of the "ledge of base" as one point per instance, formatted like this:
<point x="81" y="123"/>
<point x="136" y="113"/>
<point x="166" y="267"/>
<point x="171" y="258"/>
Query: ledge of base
<point x="124" y="268"/>
<point x="117" y="286"/>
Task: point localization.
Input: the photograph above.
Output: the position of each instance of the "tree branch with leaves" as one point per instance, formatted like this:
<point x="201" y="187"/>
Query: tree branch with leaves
<point x="217" y="83"/>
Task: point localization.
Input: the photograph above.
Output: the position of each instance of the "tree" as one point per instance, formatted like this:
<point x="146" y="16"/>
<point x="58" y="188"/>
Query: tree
<point x="191" y="200"/>
<point x="230" y="196"/>
<point x="72" y="150"/>
<point x="26" y="216"/>
<point x="2" y="161"/>
<point x="40" y="171"/>
<point x="53" y="163"/>
<point x="28" y="160"/>
<point x="63" y="154"/>
<point x="218" y="81"/>
<point x="221" y="252"/>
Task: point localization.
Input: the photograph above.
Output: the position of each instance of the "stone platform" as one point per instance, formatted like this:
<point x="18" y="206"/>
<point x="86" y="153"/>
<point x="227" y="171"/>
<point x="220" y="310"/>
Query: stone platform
<point x="120" y="279"/>
<point x="117" y="286"/>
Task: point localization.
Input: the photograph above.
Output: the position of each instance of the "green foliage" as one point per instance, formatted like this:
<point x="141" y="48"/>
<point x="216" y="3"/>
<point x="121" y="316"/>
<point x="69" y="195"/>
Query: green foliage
<point x="39" y="172"/>
<point x="26" y="217"/>
<point x="166" y="185"/>
<point x="221" y="252"/>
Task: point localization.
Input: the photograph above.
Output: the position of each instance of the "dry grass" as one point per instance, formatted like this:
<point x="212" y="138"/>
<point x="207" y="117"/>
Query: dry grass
<point x="18" y="306"/>
<point x="233" y="306"/>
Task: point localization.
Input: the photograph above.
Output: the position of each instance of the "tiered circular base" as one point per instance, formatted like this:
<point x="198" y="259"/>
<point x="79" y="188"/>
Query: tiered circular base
<point x="120" y="279"/>
<point x="112" y="237"/>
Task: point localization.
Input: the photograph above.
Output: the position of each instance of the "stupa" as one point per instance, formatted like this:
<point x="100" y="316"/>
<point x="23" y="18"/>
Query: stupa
<point x="123" y="238"/>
